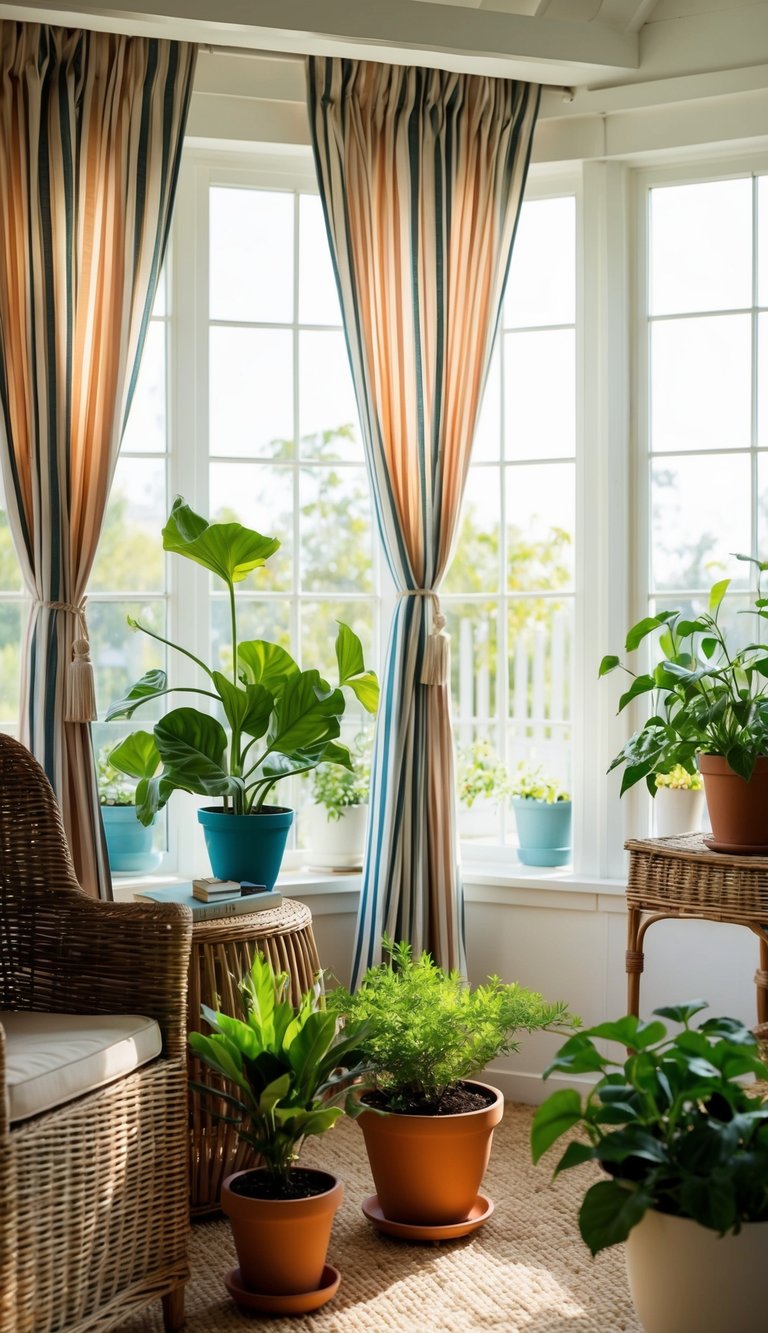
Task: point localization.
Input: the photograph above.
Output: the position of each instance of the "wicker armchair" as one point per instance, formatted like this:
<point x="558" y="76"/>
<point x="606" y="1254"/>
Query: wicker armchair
<point x="94" y="1214"/>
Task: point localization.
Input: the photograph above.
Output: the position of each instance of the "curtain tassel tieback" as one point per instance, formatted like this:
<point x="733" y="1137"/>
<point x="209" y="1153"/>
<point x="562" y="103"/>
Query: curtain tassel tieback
<point x="80" y="691"/>
<point x="436" y="666"/>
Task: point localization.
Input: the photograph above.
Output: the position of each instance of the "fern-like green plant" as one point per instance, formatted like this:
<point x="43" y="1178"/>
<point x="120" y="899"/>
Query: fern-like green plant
<point x="426" y="1029"/>
<point x="289" y="1064"/>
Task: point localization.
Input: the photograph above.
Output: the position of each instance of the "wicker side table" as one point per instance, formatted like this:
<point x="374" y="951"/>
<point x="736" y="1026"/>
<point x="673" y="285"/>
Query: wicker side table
<point x="222" y="951"/>
<point x="679" y="877"/>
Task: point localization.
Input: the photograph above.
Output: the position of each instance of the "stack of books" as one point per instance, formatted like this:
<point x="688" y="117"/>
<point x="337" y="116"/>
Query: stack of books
<point x="211" y="898"/>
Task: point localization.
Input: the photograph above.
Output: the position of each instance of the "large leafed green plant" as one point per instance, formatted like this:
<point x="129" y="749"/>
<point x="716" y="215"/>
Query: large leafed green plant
<point x="287" y="1066"/>
<point x="281" y="720"/>
<point x="707" y="696"/>
<point x="671" y="1124"/>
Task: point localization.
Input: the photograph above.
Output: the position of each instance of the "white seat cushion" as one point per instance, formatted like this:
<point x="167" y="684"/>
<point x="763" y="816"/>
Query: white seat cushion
<point x="51" y="1058"/>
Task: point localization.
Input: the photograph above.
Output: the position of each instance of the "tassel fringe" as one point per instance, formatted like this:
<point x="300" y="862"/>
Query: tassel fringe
<point x="80" y="702"/>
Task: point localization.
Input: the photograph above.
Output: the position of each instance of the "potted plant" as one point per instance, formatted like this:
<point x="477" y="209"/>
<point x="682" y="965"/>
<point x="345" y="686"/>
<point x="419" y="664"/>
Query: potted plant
<point x="543" y="816"/>
<point x="280" y="720"/>
<point x="334" y="826"/>
<point x="679" y="803"/>
<point x="709" y="707"/>
<point x="684" y="1146"/>
<point x="427" y="1033"/>
<point x="286" y="1068"/>
<point x="129" y="842"/>
<point x="482" y="782"/>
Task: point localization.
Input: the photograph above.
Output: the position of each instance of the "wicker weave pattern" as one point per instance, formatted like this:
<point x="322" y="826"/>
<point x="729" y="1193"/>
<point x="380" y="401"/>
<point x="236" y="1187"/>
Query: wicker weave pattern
<point x="680" y="874"/>
<point x="93" y="1224"/>
<point x="222" y="951"/>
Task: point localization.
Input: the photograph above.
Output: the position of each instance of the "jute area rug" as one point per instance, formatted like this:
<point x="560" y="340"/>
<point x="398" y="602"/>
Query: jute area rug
<point x="526" y="1269"/>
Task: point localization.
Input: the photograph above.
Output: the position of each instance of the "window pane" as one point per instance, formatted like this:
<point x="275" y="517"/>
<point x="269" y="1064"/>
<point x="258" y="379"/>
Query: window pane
<point x="762" y="507"/>
<point x="251" y="393"/>
<point x="701" y="383"/>
<point x="540" y="664"/>
<point x="487" y="441"/>
<point x="318" y="297"/>
<point x="473" y="627"/>
<point x="145" y="428"/>
<point x="540" y="527"/>
<point x="541" y="288"/>
<point x="11" y="619"/>
<point x="539" y="394"/>
<point x="130" y="555"/>
<point x="327" y="400"/>
<point x="701" y="247"/>
<point x="762" y="380"/>
<point x="318" y="638"/>
<point x="700" y="514"/>
<point x="261" y="497"/>
<point x="335" y="530"/>
<point x="256" y="619"/>
<point x="10" y="573"/>
<point x="251" y="255"/>
<point x="476" y="566"/>
<point x="121" y="656"/>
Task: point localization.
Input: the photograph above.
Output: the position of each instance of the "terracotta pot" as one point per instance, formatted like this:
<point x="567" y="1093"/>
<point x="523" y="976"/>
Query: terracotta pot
<point x="684" y="1277"/>
<point x="738" y="810"/>
<point x="428" y="1169"/>
<point x="282" y="1243"/>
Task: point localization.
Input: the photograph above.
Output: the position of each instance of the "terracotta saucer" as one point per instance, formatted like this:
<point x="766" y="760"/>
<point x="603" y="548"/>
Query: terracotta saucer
<point x="736" y="848"/>
<point x="297" y="1303"/>
<point x="478" y="1214"/>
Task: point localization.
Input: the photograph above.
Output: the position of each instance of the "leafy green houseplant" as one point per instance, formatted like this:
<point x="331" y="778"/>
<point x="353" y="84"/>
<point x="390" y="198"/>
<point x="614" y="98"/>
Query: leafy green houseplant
<point x="129" y="843"/>
<point x="542" y="809"/>
<point x="286" y="1067"/>
<point x="480" y="774"/>
<point x="679" y="1138"/>
<point x="280" y="720"/>
<point x="333" y="829"/>
<point x="338" y="789"/>
<point x="709" y="706"/>
<point x="427" y="1033"/>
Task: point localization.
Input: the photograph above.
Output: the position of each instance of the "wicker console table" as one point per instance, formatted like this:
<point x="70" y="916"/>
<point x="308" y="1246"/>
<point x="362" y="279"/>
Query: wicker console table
<point x="674" y="878"/>
<point x="222" y="950"/>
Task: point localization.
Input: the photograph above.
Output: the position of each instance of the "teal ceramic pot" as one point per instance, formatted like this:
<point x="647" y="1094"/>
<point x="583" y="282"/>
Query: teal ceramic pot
<point x="543" y="831"/>
<point x="246" y="846"/>
<point x="129" y="843"/>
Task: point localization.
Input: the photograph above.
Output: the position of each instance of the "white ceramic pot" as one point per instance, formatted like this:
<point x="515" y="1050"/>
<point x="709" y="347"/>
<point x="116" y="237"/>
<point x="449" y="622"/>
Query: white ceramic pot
<point x="334" y="844"/>
<point x="685" y="1278"/>
<point x="677" y="810"/>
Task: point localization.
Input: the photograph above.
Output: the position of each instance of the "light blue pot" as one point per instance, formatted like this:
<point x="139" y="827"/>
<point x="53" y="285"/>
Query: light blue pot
<point x="543" y="831"/>
<point x="129" y="843"/>
<point x="246" y="846"/>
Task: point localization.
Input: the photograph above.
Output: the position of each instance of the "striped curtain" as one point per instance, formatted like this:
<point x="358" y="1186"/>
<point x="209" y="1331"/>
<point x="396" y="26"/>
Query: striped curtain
<point x="421" y="176"/>
<point x="91" y="130"/>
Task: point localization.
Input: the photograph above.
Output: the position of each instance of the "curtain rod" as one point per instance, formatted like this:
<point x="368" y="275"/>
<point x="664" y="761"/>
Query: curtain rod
<point x="291" y="57"/>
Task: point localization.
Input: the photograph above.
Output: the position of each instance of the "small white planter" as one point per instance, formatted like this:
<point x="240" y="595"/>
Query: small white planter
<point x="677" y="810"/>
<point x="685" y="1278"/>
<point x="334" y="844"/>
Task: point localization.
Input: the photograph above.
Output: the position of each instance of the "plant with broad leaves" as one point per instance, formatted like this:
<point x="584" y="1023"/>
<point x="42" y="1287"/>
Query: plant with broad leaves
<point x="287" y="1066"/>
<point x="706" y="697"/>
<point x="338" y="789"/>
<point x="282" y="720"/>
<point x="671" y="1124"/>
<point x="427" y="1029"/>
<point x="124" y="771"/>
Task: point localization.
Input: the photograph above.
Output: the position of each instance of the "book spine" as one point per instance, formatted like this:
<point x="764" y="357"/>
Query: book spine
<point x="236" y="907"/>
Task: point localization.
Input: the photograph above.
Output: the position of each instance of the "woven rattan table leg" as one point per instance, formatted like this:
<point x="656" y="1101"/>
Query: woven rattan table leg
<point x="633" y="959"/>
<point x="173" y="1310"/>
<point x="761" y="977"/>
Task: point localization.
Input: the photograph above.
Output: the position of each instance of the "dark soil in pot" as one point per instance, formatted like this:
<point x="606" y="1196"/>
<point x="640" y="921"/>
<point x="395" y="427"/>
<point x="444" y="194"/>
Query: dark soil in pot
<point x="456" y="1100"/>
<point x="302" y="1184"/>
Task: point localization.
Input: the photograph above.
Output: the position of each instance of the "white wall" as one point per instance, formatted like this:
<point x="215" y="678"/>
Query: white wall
<point x="568" y="944"/>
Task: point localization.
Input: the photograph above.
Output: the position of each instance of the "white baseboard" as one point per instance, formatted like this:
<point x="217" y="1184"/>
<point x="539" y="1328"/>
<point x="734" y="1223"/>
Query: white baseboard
<point x="530" y="1088"/>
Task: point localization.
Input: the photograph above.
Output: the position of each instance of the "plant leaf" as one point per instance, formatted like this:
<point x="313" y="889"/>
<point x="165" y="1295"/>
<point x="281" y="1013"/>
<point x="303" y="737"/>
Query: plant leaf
<point x="304" y="714"/>
<point x="640" y="631"/>
<point x="266" y="664"/>
<point x="151" y="684"/>
<point x="227" y="549"/>
<point x="609" y="1212"/>
<point x="193" y="747"/>
<point x="137" y="755"/>
<point x="559" y="1113"/>
<point x="609" y="663"/>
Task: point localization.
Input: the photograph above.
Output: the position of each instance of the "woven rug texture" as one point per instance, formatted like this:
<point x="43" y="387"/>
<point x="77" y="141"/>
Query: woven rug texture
<point x="526" y="1269"/>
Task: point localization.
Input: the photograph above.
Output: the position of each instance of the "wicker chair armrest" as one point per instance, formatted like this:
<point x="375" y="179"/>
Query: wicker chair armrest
<point x="92" y="957"/>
